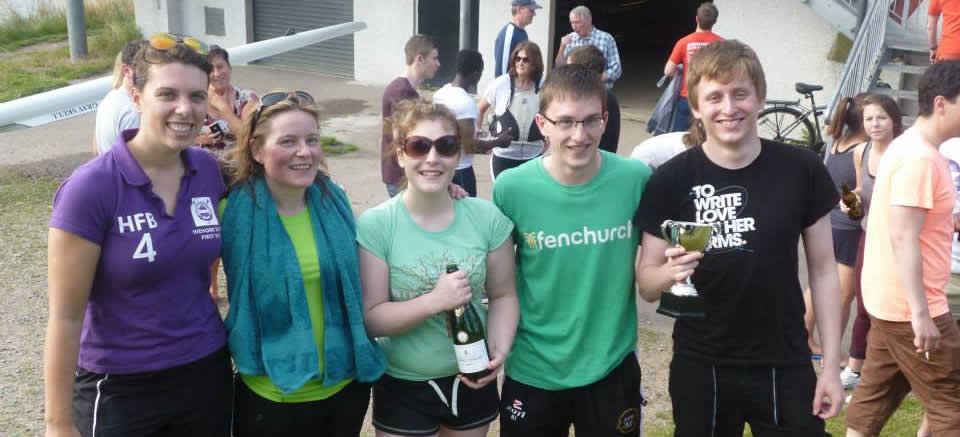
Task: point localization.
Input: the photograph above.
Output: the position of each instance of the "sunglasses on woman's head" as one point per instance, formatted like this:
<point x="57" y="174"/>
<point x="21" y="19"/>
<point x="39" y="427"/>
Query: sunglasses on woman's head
<point x="418" y="147"/>
<point x="522" y="60"/>
<point x="271" y="99"/>
<point x="167" y="41"/>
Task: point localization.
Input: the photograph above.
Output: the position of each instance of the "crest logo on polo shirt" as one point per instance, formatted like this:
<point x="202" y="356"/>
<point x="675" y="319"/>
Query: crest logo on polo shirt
<point x="202" y="210"/>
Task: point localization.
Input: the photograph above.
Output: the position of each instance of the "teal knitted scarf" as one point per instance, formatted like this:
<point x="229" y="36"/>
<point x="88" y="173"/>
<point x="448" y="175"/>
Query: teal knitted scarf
<point x="268" y="325"/>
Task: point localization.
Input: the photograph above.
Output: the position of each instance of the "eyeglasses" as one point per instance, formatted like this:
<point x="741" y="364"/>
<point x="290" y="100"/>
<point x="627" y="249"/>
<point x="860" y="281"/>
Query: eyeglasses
<point x="271" y="99"/>
<point x="569" y="123"/>
<point x="418" y="147"/>
<point x="167" y="42"/>
<point x="522" y="60"/>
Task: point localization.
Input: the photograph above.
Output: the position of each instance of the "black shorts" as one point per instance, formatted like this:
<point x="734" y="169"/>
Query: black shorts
<point x="340" y="415"/>
<point x="194" y="399"/>
<point x="717" y="401"/>
<point x="466" y="178"/>
<point x="416" y="408"/>
<point x="499" y="164"/>
<point x="845" y="245"/>
<point x="608" y="407"/>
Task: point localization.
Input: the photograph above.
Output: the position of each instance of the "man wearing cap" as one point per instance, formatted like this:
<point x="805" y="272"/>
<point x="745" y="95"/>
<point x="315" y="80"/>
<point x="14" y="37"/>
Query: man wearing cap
<point x="512" y="33"/>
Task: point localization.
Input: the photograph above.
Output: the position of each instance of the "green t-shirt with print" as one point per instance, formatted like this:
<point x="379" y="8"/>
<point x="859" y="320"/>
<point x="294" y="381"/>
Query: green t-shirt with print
<point x="417" y="258"/>
<point x="576" y="247"/>
<point x="300" y="230"/>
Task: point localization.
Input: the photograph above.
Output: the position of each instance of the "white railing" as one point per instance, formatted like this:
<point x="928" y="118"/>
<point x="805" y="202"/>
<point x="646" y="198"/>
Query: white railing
<point x="864" y="59"/>
<point x="83" y="97"/>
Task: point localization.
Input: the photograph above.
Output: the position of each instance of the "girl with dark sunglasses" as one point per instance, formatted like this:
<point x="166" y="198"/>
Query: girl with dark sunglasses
<point x="406" y="244"/>
<point x="135" y="345"/>
<point x="295" y="325"/>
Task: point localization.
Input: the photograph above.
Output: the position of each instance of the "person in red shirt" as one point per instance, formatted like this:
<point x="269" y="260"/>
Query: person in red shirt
<point x="683" y="51"/>
<point x="948" y="46"/>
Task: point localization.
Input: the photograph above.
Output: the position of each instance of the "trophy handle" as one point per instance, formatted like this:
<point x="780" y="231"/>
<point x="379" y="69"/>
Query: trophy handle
<point x="667" y="230"/>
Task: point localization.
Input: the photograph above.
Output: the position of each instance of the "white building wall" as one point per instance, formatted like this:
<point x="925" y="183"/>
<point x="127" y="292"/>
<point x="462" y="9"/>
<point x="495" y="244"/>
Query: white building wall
<point x="187" y="17"/>
<point x="791" y="40"/>
<point x="153" y="16"/>
<point x="494" y="14"/>
<point x="378" y="51"/>
<point x="236" y="15"/>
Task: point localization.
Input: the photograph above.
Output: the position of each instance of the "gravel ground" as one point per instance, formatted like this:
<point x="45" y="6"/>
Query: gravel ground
<point x="24" y="210"/>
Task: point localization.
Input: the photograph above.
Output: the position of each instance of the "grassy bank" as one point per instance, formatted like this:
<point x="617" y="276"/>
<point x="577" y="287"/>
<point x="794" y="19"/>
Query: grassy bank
<point x="48" y="22"/>
<point x="110" y="25"/>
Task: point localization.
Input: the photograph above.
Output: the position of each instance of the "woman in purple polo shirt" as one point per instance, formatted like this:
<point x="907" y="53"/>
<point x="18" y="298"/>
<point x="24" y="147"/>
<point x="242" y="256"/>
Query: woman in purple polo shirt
<point x="134" y="344"/>
<point x="295" y="328"/>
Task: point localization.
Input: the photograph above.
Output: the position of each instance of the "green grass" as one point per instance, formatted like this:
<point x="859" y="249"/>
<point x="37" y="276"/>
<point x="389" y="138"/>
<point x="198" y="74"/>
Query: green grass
<point x="27" y="195"/>
<point x="34" y="71"/>
<point x="48" y="21"/>
<point x="333" y="146"/>
<point x="903" y="423"/>
<point x="840" y="49"/>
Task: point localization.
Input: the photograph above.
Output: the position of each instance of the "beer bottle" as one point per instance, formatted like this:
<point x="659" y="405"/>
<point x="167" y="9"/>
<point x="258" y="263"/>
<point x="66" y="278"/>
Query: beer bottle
<point x="466" y="330"/>
<point x="854" y="206"/>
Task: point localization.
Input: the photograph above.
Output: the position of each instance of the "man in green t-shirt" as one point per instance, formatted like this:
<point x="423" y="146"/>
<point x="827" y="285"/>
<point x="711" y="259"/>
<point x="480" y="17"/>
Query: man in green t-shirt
<point x="573" y="359"/>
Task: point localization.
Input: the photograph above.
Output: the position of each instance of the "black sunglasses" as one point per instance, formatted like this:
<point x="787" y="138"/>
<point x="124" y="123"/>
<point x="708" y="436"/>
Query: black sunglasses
<point x="418" y="147"/>
<point x="271" y="99"/>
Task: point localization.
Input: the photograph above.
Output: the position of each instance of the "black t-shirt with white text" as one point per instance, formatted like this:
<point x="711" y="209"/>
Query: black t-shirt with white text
<point x="748" y="276"/>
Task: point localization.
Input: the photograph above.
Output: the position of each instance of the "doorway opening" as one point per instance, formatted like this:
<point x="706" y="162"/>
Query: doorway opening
<point x="645" y="31"/>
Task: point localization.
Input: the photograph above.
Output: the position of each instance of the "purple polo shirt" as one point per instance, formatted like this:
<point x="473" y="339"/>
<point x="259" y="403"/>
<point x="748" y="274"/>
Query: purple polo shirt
<point x="149" y="306"/>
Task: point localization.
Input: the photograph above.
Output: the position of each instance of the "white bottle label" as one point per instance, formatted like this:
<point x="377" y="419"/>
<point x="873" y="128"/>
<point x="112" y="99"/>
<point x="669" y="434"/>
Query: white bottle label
<point x="472" y="357"/>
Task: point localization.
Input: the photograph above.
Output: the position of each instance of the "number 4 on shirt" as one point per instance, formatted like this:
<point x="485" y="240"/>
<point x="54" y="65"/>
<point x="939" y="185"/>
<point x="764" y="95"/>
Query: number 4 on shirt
<point x="145" y="248"/>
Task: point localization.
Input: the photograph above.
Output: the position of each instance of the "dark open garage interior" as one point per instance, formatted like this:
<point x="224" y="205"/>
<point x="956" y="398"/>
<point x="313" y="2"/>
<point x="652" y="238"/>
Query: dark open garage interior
<point x="645" y="31"/>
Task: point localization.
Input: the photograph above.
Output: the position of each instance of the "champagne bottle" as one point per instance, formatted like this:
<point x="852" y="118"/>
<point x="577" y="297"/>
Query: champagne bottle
<point x="855" y="208"/>
<point x="466" y="330"/>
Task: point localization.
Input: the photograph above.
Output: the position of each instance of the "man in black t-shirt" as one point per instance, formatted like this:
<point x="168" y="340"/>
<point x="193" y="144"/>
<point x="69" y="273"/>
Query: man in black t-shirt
<point x="748" y="361"/>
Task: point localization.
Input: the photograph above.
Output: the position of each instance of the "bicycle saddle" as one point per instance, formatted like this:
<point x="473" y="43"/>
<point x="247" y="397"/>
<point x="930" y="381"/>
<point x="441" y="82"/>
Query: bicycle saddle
<point x="803" y="88"/>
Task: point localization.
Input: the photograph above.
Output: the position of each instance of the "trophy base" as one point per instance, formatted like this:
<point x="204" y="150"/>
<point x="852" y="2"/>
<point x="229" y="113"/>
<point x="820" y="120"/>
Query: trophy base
<point x="682" y="307"/>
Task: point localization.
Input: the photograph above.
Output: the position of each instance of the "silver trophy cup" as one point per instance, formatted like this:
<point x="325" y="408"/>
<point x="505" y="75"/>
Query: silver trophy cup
<point x="682" y="300"/>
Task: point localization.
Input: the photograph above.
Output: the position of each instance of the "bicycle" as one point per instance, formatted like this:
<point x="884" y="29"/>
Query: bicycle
<point x="788" y="121"/>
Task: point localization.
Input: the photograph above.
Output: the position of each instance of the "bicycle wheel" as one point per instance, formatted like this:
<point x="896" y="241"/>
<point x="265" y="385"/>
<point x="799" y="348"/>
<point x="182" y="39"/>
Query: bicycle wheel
<point x="786" y="125"/>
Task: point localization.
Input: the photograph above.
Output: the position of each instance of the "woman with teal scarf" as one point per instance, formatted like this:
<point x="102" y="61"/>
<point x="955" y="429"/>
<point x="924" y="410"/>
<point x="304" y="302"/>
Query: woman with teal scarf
<point x="295" y="326"/>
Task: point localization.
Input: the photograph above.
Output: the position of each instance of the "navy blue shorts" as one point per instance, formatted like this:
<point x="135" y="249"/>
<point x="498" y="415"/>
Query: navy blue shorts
<point x="712" y="400"/>
<point x="194" y="399"/>
<point x="845" y="245"/>
<point x="418" y="408"/>
<point x="609" y="407"/>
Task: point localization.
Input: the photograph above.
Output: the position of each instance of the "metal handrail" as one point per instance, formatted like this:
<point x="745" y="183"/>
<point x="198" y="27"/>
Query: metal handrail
<point x="862" y="64"/>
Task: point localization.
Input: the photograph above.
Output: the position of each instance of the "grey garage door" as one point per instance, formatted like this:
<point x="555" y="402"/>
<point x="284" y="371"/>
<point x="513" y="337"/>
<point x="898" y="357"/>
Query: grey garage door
<point x="272" y="18"/>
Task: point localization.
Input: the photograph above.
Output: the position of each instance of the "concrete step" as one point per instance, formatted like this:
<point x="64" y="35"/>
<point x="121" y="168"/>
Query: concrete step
<point x="897" y="94"/>
<point x="900" y="67"/>
<point x="907" y="45"/>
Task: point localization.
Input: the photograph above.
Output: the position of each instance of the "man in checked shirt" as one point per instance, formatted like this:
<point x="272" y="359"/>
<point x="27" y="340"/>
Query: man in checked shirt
<point x="585" y="34"/>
